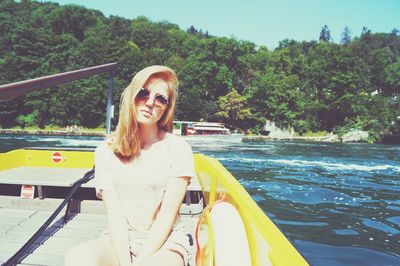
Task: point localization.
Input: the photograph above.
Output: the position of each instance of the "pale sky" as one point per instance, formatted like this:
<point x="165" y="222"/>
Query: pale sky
<point x="264" y="22"/>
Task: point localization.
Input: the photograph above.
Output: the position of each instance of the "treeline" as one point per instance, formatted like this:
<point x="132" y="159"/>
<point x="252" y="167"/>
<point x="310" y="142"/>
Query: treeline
<point x="309" y="86"/>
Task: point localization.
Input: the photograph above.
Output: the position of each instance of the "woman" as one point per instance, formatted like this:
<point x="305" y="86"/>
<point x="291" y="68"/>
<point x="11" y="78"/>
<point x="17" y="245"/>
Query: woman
<point x="142" y="173"/>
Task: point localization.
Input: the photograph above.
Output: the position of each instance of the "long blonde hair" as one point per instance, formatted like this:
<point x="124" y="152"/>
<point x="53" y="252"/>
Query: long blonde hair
<point x="125" y="141"/>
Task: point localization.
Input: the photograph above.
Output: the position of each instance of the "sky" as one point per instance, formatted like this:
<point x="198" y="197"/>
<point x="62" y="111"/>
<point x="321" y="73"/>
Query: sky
<point x="263" y="22"/>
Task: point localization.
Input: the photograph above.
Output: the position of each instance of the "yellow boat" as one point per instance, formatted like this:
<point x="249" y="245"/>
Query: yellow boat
<point x="224" y="218"/>
<point x="266" y="244"/>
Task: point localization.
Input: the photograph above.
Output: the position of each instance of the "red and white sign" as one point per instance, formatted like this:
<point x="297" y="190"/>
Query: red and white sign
<point x="27" y="192"/>
<point x="56" y="157"/>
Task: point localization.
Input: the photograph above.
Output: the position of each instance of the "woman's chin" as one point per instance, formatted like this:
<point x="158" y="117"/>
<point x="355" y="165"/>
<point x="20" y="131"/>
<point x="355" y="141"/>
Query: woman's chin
<point x="143" y="120"/>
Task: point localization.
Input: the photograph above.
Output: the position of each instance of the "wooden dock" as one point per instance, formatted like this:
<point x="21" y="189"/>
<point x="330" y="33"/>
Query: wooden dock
<point x="21" y="218"/>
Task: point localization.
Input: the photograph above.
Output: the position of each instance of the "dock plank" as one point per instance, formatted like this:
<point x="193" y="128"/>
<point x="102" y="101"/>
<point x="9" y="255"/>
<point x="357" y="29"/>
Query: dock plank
<point x="15" y="238"/>
<point x="8" y="248"/>
<point x="5" y="228"/>
<point x="16" y="212"/>
<point x="44" y="259"/>
<point x="90" y="217"/>
<point x="61" y="242"/>
<point x="44" y="176"/>
<point x="36" y="204"/>
<point x="82" y="227"/>
<point x="44" y="215"/>
<point x="78" y="233"/>
<point x="90" y="225"/>
<point x="12" y="219"/>
<point x="53" y="250"/>
<point x="26" y="227"/>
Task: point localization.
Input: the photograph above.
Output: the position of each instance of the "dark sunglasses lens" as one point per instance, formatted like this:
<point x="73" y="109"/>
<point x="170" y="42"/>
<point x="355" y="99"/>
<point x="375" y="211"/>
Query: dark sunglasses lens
<point x="142" y="94"/>
<point x="161" y="100"/>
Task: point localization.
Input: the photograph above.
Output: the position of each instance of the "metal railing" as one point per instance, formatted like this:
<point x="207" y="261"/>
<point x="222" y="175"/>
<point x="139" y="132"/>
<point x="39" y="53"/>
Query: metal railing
<point x="22" y="87"/>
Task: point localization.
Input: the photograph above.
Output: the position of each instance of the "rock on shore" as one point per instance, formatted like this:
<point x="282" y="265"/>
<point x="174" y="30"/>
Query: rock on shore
<point x="352" y="136"/>
<point x="355" y="136"/>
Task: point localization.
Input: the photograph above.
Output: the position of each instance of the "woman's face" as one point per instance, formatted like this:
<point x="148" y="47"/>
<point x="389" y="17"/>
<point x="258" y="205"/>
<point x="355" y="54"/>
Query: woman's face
<point x="151" y="101"/>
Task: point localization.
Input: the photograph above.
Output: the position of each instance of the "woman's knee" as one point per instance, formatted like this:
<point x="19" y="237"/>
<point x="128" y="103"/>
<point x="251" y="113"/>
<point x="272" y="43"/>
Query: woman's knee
<point x="164" y="257"/>
<point x="86" y="253"/>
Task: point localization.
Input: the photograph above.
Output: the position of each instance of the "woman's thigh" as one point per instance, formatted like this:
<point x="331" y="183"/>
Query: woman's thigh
<point x="92" y="252"/>
<point x="164" y="257"/>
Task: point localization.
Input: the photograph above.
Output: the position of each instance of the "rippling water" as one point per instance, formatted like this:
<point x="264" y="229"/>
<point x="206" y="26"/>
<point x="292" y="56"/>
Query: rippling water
<point x="338" y="203"/>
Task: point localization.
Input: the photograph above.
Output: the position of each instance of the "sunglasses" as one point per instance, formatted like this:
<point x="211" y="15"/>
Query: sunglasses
<point x="144" y="95"/>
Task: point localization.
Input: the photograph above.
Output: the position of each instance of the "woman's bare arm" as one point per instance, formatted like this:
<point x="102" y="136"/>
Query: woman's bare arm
<point x="117" y="227"/>
<point x="163" y="224"/>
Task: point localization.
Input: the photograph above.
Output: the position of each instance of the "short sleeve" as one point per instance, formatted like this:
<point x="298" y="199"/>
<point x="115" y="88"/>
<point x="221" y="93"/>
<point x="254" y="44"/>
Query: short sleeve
<point x="182" y="163"/>
<point x="102" y="177"/>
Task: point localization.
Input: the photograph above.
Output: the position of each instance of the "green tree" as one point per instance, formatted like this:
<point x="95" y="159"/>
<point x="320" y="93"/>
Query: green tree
<point x="346" y="36"/>
<point x="235" y="111"/>
<point x="311" y="86"/>
<point x="325" y="34"/>
<point x="392" y="79"/>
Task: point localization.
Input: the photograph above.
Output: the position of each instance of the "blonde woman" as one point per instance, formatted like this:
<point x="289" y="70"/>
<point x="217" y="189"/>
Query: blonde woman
<point x="142" y="173"/>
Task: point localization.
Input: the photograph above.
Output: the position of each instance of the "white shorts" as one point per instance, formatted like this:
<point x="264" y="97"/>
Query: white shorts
<point x="178" y="241"/>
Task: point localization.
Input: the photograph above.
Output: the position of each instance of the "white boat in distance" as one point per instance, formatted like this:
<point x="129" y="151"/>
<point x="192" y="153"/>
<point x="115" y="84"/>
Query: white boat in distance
<point x="187" y="128"/>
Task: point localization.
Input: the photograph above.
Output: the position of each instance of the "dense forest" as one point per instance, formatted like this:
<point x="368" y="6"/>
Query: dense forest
<point x="308" y="86"/>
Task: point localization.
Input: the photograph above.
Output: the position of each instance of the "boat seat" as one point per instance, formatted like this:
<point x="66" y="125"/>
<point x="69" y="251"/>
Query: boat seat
<point x="43" y="176"/>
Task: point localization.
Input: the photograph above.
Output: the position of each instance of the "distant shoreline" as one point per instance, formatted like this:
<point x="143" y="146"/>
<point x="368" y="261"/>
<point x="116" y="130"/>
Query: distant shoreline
<point x="303" y="138"/>
<point x="83" y="132"/>
<point x="102" y="133"/>
<point x="46" y="132"/>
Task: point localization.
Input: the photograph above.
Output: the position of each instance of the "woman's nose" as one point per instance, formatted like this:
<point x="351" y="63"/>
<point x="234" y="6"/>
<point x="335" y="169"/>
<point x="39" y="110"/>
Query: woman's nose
<point x="150" y="101"/>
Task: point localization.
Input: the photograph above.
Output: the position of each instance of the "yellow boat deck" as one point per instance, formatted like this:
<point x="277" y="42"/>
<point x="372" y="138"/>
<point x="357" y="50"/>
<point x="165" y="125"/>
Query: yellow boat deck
<point x="20" y="218"/>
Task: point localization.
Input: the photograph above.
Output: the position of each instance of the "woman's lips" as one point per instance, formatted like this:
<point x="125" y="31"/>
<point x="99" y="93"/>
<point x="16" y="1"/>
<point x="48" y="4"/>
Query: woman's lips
<point x="147" y="112"/>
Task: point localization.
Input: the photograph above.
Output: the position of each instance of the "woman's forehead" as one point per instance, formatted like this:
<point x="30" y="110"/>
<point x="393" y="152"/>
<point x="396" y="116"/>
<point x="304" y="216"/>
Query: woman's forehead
<point x="156" y="85"/>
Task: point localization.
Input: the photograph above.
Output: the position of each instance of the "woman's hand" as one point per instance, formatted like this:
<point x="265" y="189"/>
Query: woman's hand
<point x="117" y="227"/>
<point x="162" y="226"/>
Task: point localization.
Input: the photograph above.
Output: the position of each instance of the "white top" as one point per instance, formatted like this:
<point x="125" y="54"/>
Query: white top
<point x="141" y="183"/>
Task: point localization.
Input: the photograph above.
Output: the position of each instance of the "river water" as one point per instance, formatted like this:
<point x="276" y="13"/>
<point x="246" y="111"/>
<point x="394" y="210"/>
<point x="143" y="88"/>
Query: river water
<point x="338" y="203"/>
